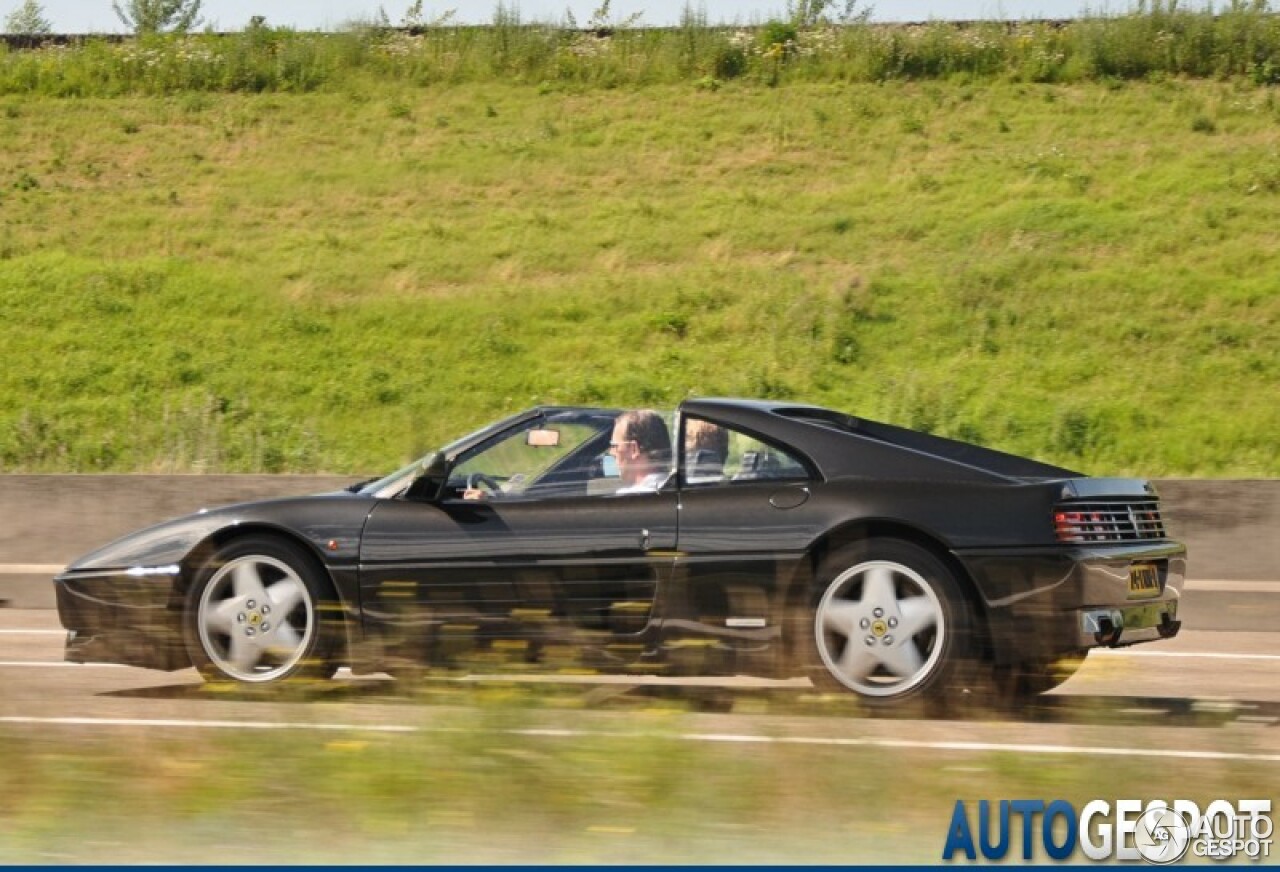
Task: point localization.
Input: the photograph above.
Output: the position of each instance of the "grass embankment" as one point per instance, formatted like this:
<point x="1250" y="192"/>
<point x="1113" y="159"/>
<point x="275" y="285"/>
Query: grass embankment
<point x="338" y="280"/>
<point x="478" y="791"/>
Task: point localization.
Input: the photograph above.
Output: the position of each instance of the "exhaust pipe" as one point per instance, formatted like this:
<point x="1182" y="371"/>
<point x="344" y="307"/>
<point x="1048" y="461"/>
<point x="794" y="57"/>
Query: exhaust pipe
<point x="1168" y="627"/>
<point x="1108" y="634"/>
<point x="1105" y="625"/>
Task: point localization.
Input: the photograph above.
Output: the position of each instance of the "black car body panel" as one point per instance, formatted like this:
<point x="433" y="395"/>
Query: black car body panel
<point x="697" y="576"/>
<point x="123" y="602"/>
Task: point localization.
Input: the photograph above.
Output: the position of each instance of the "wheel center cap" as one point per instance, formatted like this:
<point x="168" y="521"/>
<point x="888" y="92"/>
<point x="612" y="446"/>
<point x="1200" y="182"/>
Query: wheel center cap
<point x="255" y="618"/>
<point x="879" y="628"/>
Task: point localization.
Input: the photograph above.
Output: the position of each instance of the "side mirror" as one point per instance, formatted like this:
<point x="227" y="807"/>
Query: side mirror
<point x="430" y="480"/>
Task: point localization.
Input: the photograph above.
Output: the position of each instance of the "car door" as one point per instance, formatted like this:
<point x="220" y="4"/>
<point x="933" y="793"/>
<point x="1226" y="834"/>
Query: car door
<point x="744" y="527"/>
<point x="554" y="565"/>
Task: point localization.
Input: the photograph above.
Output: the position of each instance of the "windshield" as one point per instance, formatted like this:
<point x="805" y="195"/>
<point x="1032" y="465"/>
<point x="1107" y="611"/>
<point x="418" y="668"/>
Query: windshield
<point x="395" y="482"/>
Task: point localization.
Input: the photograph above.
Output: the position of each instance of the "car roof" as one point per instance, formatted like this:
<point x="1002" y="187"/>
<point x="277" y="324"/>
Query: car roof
<point x="843" y="445"/>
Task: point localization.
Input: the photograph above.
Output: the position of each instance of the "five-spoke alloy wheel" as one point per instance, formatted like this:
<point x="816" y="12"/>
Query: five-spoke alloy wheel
<point x="257" y="613"/>
<point x="889" y="623"/>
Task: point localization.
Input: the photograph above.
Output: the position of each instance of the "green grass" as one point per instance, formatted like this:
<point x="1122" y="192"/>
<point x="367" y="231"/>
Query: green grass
<point x="474" y="791"/>
<point x="341" y="279"/>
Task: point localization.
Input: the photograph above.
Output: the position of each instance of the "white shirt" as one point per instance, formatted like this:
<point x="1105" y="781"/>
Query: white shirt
<point x="649" y="484"/>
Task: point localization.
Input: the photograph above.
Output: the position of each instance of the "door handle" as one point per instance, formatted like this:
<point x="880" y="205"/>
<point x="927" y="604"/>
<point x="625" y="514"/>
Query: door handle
<point x="644" y="540"/>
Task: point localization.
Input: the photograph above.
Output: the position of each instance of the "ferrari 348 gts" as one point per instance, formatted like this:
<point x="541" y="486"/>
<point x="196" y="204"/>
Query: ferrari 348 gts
<point x="756" y="538"/>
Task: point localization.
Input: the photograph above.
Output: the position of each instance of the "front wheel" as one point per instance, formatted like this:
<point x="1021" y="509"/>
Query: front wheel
<point x="259" y="612"/>
<point x="890" y="623"/>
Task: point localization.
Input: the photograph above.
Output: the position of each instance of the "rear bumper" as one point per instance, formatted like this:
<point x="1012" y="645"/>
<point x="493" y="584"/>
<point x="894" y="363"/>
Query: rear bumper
<point x="122" y="617"/>
<point x="1045" y="603"/>
<point x="1118" y="626"/>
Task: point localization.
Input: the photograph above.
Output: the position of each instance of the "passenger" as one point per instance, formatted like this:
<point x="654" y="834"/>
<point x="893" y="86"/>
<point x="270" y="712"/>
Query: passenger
<point x="642" y="447"/>
<point x="706" y="448"/>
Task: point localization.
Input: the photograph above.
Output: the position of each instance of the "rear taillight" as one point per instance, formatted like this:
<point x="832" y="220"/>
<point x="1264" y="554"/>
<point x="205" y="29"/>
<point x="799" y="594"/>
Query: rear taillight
<point x="1108" y="522"/>
<point x="1069" y="526"/>
<point x="1083" y="527"/>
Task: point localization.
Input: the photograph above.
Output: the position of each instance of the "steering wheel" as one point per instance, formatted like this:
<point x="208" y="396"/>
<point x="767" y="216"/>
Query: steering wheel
<point x="478" y="480"/>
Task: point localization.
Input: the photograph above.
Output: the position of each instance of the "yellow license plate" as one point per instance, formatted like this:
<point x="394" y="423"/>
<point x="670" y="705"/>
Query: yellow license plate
<point x="1144" y="580"/>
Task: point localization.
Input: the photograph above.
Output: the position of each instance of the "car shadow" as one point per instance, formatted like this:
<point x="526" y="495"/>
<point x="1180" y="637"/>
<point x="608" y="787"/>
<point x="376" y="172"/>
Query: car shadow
<point x="1078" y="709"/>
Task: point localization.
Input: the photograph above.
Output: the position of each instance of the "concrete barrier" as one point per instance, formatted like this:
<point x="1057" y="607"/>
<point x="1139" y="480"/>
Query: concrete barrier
<point x="48" y="520"/>
<point x="1230" y="525"/>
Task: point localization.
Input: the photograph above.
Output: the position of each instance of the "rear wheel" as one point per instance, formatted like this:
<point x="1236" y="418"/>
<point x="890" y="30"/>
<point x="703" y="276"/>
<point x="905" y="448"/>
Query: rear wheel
<point x="260" y="612"/>
<point x="890" y="623"/>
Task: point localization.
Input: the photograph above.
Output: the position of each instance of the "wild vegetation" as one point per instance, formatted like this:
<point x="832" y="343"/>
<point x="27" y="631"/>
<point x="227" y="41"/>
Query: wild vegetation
<point x="478" y="785"/>
<point x="300" y="252"/>
<point x="1160" y="38"/>
<point x="27" y="20"/>
<point x="158" y="16"/>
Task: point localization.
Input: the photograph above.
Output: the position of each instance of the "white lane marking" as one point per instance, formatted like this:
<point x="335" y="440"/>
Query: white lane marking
<point x="1224" y="585"/>
<point x="215" y="725"/>
<point x="626" y="680"/>
<point x="1232" y="586"/>
<point x="658" y="680"/>
<point x="1207" y="655"/>
<point x="991" y="746"/>
<point x="55" y="663"/>
<point x="712" y="738"/>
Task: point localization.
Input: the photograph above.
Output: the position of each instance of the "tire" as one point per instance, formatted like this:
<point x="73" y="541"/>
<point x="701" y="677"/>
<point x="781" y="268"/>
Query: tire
<point x="890" y="623"/>
<point x="260" y="611"/>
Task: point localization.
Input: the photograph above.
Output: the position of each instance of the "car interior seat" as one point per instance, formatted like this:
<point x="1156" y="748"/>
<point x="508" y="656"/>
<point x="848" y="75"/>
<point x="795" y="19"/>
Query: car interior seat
<point x="703" y="466"/>
<point x="757" y="465"/>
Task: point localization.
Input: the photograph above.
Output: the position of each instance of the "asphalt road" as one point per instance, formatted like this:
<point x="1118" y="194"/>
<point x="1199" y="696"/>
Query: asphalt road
<point x="1201" y="708"/>
<point x="1209" y="694"/>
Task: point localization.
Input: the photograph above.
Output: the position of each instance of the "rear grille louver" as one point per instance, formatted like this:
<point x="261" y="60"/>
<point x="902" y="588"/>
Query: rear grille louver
<point x="1110" y="521"/>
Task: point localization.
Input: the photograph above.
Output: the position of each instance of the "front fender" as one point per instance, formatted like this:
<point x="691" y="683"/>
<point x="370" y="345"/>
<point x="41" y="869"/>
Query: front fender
<point x="330" y="524"/>
<point x="162" y="545"/>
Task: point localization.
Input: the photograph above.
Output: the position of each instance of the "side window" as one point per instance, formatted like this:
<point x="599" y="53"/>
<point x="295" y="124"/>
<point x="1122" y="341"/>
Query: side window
<point x="715" y="454"/>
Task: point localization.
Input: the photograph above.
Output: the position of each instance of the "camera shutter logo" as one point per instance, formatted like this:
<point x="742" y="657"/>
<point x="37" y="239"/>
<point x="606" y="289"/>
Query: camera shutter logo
<point x="1162" y="836"/>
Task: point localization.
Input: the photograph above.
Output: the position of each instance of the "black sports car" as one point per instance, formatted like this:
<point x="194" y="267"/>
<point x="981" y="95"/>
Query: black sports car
<point x="731" y="537"/>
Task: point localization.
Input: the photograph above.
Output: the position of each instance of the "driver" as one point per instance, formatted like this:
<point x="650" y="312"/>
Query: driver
<point x="642" y="447"/>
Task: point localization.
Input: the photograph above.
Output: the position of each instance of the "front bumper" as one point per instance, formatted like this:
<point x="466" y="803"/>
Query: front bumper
<point x="131" y="617"/>
<point x="1045" y="603"/>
